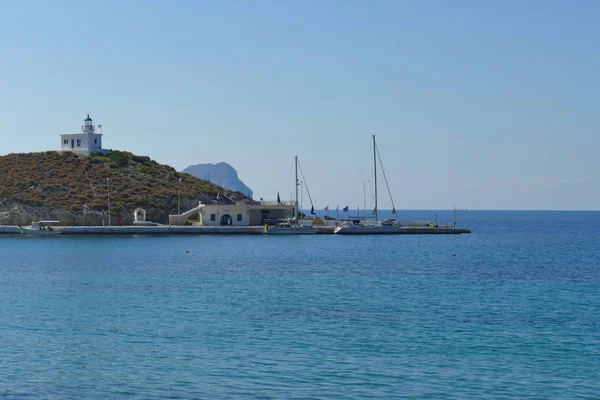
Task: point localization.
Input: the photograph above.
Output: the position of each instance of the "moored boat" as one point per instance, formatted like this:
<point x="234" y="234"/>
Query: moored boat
<point x="350" y="228"/>
<point x="357" y="227"/>
<point x="41" y="228"/>
<point x="288" y="229"/>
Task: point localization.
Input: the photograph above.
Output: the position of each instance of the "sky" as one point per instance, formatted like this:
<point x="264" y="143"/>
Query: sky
<point x="478" y="104"/>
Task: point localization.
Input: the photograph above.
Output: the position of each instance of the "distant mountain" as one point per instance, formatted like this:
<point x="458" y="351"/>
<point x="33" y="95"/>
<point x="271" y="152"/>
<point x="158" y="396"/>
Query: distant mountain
<point x="221" y="174"/>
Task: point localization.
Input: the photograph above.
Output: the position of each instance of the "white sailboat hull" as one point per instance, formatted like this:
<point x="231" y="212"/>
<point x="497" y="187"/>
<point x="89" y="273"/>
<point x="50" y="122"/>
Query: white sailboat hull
<point x="291" y="231"/>
<point x="366" y="230"/>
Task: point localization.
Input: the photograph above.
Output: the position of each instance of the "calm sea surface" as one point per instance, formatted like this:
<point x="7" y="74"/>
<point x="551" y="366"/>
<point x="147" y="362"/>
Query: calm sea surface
<point x="514" y="314"/>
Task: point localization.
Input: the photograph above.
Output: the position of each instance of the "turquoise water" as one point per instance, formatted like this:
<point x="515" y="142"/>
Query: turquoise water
<point x="514" y="314"/>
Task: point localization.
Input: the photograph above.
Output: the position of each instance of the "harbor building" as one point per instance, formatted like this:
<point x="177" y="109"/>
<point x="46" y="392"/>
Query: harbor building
<point x="86" y="142"/>
<point x="252" y="213"/>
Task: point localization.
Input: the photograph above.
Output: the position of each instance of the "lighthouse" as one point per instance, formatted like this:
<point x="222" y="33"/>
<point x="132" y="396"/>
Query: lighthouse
<point x="86" y="142"/>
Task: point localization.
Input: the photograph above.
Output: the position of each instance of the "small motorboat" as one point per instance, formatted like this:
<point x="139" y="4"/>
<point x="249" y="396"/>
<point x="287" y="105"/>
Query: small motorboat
<point x="41" y="228"/>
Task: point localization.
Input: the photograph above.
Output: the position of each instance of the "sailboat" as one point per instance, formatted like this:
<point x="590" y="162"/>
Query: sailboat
<point x="390" y="225"/>
<point x="286" y="228"/>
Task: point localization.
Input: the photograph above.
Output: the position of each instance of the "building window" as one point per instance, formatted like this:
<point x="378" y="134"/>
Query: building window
<point x="95" y="141"/>
<point x="265" y="211"/>
<point x="239" y="217"/>
<point x="66" y="141"/>
<point x="213" y="217"/>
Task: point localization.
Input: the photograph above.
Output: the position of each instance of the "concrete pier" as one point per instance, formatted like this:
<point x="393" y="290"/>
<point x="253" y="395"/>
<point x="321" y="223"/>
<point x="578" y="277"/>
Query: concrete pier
<point x="160" y="230"/>
<point x="220" y="230"/>
<point x="432" y="231"/>
<point x="9" y="229"/>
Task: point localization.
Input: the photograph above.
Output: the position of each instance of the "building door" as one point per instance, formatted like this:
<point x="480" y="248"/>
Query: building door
<point x="72" y="143"/>
<point x="226" y="220"/>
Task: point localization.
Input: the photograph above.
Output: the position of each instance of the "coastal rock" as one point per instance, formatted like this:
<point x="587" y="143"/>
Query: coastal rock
<point x="221" y="174"/>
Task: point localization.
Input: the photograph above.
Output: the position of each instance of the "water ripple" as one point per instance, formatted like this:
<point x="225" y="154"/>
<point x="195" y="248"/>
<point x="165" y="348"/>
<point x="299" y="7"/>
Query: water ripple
<point x="513" y="315"/>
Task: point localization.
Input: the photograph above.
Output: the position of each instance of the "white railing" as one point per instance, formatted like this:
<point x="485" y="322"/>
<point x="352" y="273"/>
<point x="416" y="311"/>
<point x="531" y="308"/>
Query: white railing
<point x="182" y="218"/>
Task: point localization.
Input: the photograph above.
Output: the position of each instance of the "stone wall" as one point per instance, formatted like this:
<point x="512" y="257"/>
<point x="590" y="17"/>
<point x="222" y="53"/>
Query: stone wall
<point x="21" y="214"/>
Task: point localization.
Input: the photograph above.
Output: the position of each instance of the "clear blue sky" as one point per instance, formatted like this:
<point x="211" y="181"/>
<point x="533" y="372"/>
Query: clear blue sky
<point x="486" y="105"/>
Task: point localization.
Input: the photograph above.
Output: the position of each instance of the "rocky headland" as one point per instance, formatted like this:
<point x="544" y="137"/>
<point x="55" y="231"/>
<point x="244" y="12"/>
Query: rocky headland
<point x="74" y="189"/>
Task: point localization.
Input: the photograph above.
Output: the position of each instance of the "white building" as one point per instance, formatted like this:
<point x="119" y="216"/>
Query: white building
<point x="235" y="214"/>
<point x="86" y="142"/>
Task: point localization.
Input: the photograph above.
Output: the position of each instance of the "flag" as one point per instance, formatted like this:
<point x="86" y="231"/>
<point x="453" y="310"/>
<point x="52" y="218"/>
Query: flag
<point x="278" y="199"/>
<point x="218" y="196"/>
<point x="312" y="210"/>
<point x="345" y="209"/>
<point x="100" y="126"/>
<point x="327" y="208"/>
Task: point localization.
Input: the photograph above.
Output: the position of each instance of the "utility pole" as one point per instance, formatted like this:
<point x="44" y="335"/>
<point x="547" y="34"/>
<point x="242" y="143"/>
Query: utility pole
<point x="179" y="202"/>
<point x="108" y="196"/>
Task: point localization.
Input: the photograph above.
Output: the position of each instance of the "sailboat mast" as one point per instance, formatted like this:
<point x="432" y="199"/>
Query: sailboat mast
<point x="375" y="171"/>
<point x="296" y="164"/>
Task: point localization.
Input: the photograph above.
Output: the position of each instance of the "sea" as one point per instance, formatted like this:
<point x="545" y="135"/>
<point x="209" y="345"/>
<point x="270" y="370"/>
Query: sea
<point x="511" y="311"/>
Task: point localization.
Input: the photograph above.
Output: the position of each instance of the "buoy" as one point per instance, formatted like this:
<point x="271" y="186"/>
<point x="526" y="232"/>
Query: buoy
<point x="187" y="251"/>
<point x="454" y="255"/>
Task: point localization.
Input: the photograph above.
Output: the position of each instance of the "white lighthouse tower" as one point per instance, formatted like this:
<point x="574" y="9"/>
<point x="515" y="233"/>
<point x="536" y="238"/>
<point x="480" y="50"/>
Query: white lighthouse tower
<point x="86" y="142"/>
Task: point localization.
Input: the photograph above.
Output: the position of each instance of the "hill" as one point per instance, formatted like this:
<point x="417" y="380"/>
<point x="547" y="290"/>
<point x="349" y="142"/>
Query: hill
<point x="74" y="189"/>
<point x="221" y="174"/>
